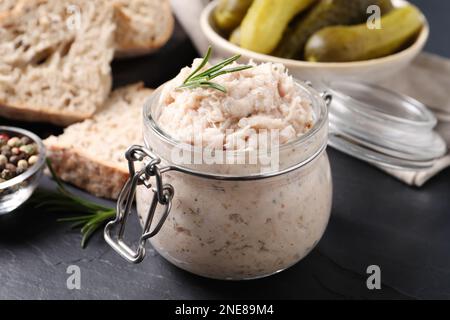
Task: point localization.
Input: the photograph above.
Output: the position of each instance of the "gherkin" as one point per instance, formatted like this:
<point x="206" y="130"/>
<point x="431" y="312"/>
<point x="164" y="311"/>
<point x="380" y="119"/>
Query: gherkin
<point x="357" y="43"/>
<point x="266" y="20"/>
<point x="325" y="13"/>
<point x="235" y="36"/>
<point x="229" y="14"/>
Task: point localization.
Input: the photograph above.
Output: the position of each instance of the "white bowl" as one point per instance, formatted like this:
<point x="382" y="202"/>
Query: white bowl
<point x="319" y="72"/>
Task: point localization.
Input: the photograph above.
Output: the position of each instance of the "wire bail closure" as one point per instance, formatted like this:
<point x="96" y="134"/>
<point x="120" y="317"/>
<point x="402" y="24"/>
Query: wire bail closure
<point x="162" y="195"/>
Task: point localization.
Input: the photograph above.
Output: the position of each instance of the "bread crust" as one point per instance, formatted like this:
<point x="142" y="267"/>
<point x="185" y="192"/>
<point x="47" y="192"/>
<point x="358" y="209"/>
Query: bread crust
<point x="131" y="46"/>
<point x="85" y="168"/>
<point x="34" y="115"/>
<point x="99" y="178"/>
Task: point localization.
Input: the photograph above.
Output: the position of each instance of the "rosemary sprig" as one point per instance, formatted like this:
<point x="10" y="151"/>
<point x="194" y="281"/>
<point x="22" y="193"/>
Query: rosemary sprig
<point x="92" y="215"/>
<point x="204" y="78"/>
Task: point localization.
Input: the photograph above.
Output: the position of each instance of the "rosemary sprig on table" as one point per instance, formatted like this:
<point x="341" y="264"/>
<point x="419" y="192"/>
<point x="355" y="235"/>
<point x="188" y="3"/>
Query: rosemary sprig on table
<point x="92" y="215"/>
<point x="204" y="78"/>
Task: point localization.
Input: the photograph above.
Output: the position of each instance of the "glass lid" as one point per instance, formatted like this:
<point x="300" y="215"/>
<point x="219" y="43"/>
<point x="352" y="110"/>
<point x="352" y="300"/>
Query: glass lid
<point x="382" y="127"/>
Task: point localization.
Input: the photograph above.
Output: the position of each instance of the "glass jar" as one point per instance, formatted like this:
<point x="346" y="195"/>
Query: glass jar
<point x="228" y="221"/>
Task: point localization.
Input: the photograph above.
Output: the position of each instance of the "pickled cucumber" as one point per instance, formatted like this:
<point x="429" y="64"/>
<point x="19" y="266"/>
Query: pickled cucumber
<point x="386" y="6"/>
<point x="235" y="37"/>
<point x="325" y="13"/>
<point x="229" y="14"/>
<point x="356" y="43"/>
<point x="266" y="20"/>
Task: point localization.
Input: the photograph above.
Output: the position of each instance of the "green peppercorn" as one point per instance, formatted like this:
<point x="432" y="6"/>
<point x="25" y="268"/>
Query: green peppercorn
<point x="14" y="142"/>
<point x="28" y="149"/>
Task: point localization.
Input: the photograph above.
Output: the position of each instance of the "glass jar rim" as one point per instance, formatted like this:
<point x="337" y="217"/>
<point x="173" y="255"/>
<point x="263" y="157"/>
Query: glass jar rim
<point x="320" y="121"/>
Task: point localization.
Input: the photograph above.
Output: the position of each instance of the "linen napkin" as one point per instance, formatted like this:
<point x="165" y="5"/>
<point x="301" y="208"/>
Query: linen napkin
<point x="427" y="79"/>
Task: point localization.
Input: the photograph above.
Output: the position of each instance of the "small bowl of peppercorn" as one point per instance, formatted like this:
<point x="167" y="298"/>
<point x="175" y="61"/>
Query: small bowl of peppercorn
<point x="22" y="159"/>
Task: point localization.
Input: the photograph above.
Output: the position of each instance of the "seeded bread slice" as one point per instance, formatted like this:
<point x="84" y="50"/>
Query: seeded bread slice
<point x="142" y="25"/>
<point x="91" y="154"/>
<point x="53" y="66"/>
<point x="7" y="5"/>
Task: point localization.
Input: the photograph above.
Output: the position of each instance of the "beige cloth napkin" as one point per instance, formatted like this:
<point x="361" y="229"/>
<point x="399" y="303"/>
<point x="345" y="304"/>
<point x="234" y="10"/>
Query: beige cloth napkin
<point x="427" y="79"/>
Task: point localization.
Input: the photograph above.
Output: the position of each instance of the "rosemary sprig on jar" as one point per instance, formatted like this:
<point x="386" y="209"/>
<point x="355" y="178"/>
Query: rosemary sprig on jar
<point x="204" y="78"/>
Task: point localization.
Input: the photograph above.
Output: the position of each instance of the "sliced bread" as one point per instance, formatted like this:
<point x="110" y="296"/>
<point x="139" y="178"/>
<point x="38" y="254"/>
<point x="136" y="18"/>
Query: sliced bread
<point x="142" y="25"/>
<point x="7" y="5"/>
<point x="55" y="67"/>
<point x="91" y="154"/>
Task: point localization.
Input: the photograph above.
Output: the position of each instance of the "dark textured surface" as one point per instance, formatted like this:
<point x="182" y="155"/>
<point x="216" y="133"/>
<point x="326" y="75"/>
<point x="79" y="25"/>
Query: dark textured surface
<point x="375" y="220"/>
<point x="437" y="12"/>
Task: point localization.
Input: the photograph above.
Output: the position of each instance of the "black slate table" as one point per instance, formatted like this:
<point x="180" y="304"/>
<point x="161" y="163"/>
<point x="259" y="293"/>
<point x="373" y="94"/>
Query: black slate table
<point x="376" y="220"/>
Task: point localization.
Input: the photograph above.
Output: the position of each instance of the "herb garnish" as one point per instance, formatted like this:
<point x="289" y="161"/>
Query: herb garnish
<point x="93" y="217"/>
<point x="203" y="79"/>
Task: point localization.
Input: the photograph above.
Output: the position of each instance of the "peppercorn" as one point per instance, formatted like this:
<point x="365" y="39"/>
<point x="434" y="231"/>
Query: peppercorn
<point x="29" y="149"/>
<point x="17" y="155"/>
<point x="3" y="139"/>
<point x="6" y="174"/>
<point x="6" y="151"/>
<point x="14" y="142"/>
<point x="21" y="170"/>
<point x="11" y="167"/>
<point x="25" y="140"/>
<point x="13" y="159"/>
<point x="33" y="160"/>
<point x="3" y="160"/>
<point x="22" y="164"/>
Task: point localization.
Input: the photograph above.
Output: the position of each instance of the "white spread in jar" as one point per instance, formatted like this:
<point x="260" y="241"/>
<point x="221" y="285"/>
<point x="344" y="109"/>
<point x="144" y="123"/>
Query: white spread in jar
<point x="263" y="97"/>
